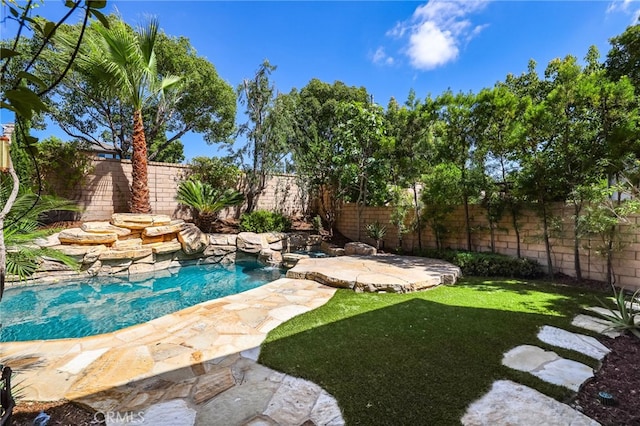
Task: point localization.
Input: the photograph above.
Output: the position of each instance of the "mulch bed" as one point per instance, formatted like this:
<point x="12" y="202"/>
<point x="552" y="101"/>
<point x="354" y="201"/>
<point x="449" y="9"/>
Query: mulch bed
<point x="620" y="377"/>
<point x="63" y="413"/>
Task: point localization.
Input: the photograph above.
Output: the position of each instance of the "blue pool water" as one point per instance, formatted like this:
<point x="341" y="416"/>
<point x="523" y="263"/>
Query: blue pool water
<point x="102" y="305"/>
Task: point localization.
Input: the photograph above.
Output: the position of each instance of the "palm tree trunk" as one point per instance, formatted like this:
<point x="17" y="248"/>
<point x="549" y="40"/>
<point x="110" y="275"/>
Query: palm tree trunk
<point x="139" y="186"/>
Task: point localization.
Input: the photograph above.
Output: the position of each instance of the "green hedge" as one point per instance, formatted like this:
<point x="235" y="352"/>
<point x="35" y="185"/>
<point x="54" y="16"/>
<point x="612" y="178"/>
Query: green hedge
<point x="264" y="221"/>
<point x="488" y="264"/>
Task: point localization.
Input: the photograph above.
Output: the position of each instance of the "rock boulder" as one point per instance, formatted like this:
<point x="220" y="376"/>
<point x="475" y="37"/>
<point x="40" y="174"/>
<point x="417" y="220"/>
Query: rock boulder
<point x="193" y="240"/>
<point x="78" y="236"/>
<point x="250" y="242"/>
<point x="359" y="249"/>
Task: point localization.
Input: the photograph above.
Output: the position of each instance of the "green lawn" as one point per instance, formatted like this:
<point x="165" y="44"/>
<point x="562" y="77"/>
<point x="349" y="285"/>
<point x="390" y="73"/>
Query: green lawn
<point x="422" y="358"/>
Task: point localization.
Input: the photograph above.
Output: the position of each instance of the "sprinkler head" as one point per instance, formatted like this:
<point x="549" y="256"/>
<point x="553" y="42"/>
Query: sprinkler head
<point x="606" y="398"/>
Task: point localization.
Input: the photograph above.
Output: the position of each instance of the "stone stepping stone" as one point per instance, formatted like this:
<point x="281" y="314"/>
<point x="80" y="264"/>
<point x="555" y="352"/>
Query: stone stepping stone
<point x="509" y="403"/>
<point x="598" y="325"/>
<point x="577" y="342"/>
<point x="548" y="366"/>
<point x="173" y="412"/>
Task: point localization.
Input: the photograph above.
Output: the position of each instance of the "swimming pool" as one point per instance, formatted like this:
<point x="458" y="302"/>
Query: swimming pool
<point x="105" y="304"/>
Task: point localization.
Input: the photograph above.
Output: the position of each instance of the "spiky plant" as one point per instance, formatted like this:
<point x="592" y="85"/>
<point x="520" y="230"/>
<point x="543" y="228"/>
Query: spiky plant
<point x="626" y="316"/>
<point x="376" y="231"/>
<point x="23" y="227"/>
<point x="207" y="201"/>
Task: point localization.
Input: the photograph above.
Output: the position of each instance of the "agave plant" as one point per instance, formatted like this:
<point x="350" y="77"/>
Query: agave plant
<point x="376" y="231"/>
<point x="23" y="227"/>
<point x="626" y="316"/>
<point x="207" y="201"/>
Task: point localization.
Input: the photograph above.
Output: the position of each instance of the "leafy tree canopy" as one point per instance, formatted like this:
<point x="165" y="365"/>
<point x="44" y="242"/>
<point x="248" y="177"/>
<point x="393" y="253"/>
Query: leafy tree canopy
<point x="203" y="104"/>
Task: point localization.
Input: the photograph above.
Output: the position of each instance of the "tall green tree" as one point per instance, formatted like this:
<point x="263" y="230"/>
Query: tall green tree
<point x="575" y="148"/>
<point x="441" y="193"/>
<point x="314" y="147"/>
<point x="266" y="131"/>
<point x="457" y="145"/>
<point x="499" y="127"/>
<point x="125" y="65"/>
<point x="412" y="128"/>
<point x="361" y="139"/>
<point x="623" y="59"/>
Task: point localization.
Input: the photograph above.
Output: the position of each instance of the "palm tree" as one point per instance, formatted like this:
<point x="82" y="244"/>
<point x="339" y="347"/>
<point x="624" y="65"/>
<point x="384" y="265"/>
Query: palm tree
<point x="125" y="61"/>
<point x="207" y="201"/>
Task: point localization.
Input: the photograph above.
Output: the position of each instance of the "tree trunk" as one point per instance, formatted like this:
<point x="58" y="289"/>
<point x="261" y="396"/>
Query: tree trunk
<point x="206" y="221"/>
<point x="610" y="276"/>
<point x="417" y="211"/>
<point x="492" y="233"/>
<point x="139" y="175"/>
<point x="576" y="243"/>
<point x="547" y="242"/>
<point x="467" y="220"/>
<point x="514" y="217"/>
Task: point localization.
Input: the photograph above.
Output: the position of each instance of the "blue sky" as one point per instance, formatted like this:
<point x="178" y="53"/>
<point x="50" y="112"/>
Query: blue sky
<point x="388" y="47"/>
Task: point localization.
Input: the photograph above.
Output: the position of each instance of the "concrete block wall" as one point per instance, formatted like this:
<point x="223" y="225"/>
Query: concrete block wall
<point x="106" y="191"/>
<point x="626" y="263"/>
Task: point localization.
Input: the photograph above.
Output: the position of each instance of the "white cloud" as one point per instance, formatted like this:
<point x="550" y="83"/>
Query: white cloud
<point x="381" y="57"/>
<point x="628" y="7"/>
<point x="436" y="29"/>
<point x="619" y="6"/>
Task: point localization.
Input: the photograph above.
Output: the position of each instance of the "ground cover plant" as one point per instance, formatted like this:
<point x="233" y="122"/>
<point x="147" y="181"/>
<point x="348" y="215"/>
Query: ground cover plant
<point x="487" y="264"/>
<point x="422" y="358"/>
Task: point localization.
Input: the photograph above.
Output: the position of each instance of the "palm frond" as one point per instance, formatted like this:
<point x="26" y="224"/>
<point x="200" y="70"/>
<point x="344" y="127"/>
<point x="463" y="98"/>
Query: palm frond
<point x="205" y="199"/>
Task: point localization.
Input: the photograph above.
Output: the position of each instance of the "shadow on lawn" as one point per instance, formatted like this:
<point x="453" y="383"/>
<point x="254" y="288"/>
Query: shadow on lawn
<point x="415" y="362"/>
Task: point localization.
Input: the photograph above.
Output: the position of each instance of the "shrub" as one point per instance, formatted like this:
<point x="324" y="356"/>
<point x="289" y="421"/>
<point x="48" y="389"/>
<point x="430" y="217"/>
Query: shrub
<point x="488" y="264"/>
<point x="220" y="173"/>
<point x="264" y="221"/>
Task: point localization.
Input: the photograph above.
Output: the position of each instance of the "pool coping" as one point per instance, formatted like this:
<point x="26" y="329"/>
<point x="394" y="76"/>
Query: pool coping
<point x="192" y="354"/>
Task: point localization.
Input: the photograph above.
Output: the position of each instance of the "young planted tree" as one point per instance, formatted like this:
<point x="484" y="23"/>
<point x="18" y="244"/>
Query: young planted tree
<point x="402" y="204"/>
<point x="457" y="145"/>
<point x="314" y="147"/>
<point x="412" y="129"/>
<point x="207" y="201"/>
<point x="361" y="138"/>
<point x="498" y="131"/>
<point x="441" y="192"/>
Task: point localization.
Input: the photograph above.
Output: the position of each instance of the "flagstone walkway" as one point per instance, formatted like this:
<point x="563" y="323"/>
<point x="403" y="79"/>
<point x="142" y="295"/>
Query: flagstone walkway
<point x="193" y="367"/>
<point x="515" y="404"/>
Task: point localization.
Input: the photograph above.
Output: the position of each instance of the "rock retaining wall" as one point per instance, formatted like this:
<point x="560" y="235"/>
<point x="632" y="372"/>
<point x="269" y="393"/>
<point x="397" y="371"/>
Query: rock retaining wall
<point x="142" y="243"/>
